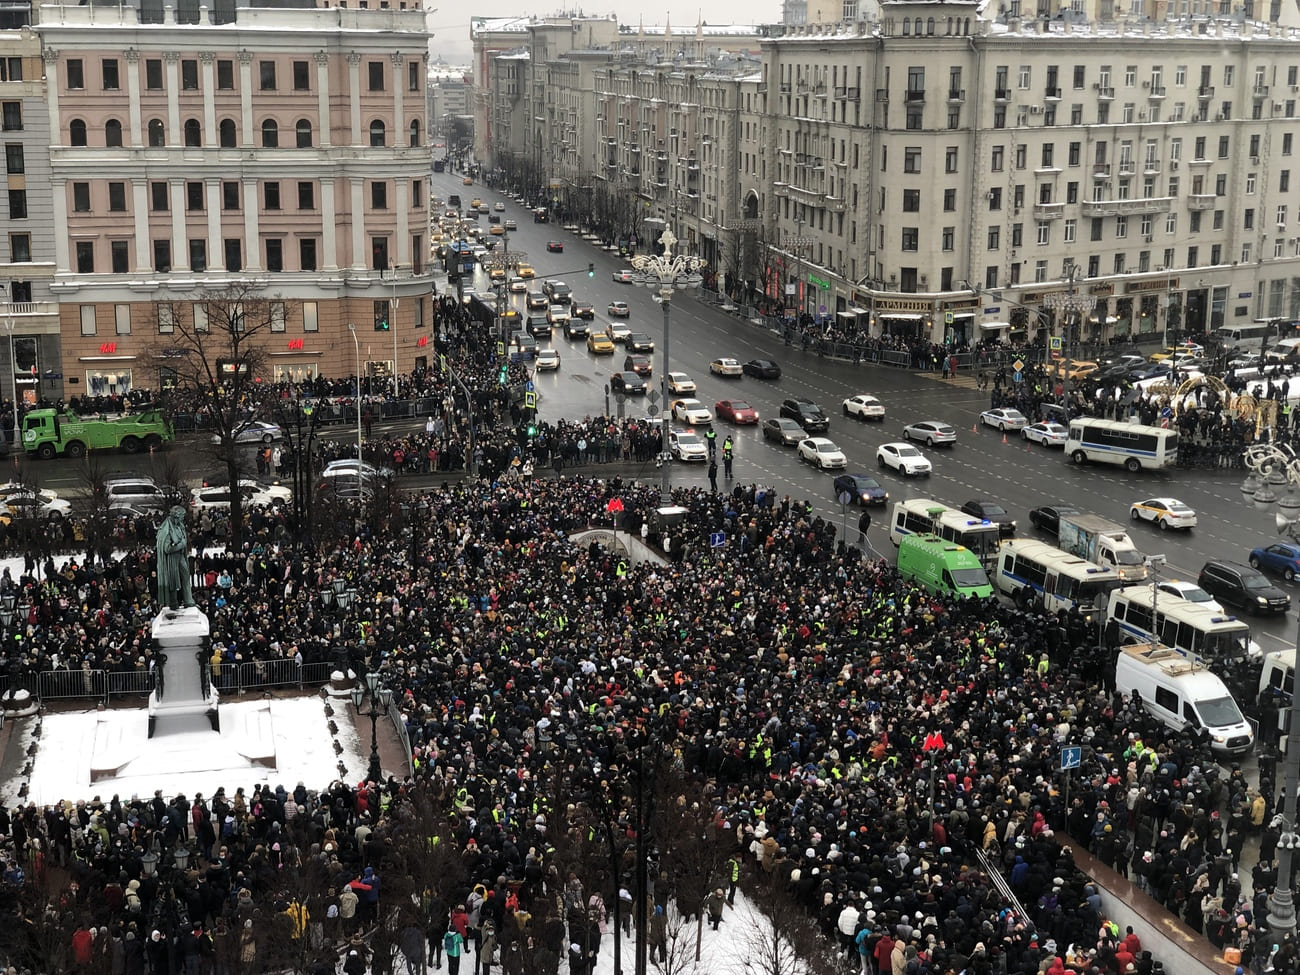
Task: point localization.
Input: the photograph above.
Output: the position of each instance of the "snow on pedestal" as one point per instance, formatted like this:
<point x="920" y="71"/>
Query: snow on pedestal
<point x="181" y="639"/>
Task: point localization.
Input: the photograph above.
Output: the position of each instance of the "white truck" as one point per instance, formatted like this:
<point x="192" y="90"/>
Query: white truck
<point x="1103" y="543"/>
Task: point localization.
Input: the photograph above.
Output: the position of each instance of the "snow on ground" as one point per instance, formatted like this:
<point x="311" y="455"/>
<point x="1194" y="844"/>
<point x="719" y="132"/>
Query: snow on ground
<point x="294" y="731"/>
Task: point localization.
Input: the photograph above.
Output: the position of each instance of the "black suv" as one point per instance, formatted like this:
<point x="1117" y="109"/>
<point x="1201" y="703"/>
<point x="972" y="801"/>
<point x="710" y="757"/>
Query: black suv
<point x="577" y="328"/>
<point x="539" y="326"/>
<point x="993" y="513"/>
<point x="807" y="414"/>
<point x="1240" y="585"/>
<point x="558" y="292"/>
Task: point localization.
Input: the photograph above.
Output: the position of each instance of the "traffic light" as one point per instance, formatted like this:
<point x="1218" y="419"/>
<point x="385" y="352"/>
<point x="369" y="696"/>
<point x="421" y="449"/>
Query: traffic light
<point x="381" y="325"/>
<point x="505" y="369"/>
<point x="591" y="270"/>
<point x="532" y="430"/>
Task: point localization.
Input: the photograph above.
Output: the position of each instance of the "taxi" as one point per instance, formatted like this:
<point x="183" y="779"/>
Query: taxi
<point x="599" y="343"/>
<point x="525" y="271"/>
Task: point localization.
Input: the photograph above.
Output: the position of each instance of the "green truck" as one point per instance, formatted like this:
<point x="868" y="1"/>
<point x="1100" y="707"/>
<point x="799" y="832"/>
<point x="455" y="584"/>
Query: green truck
<point x="942" y="567"/>
<point x="49" y="433"/>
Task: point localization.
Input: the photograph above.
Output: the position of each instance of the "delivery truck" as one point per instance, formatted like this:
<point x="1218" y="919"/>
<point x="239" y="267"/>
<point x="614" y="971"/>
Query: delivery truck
<point x="1104" y="543"/>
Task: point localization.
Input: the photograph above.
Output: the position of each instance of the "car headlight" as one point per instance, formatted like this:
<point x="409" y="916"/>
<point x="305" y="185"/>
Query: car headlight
<point x="1261" y="600"/>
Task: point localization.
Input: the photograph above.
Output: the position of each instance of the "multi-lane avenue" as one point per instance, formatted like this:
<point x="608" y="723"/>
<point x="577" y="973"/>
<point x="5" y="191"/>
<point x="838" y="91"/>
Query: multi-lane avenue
<point x="979" y="466"/>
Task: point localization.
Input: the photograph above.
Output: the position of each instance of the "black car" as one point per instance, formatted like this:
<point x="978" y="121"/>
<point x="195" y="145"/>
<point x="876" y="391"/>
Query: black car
<point x="640" y="342"/>
<point x="555" y="247"/>
<point x="1048" y="517"/>
<point x="864" y="488"/>
<point x="1240" y="585"/>
<point x="577" y="328"/>
<point x="639" y="364"/>
<point x="807" y="414"/>
<point x="628" y="383"/>
<point x="539" y="326"/>
<point x="993" y="513"/>
<point x="762" y="369"/>
<point x="582" y="309"/>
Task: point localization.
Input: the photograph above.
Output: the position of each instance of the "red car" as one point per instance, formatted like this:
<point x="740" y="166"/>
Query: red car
<point x="735" y="410"/>
<point x="555" y="246"/>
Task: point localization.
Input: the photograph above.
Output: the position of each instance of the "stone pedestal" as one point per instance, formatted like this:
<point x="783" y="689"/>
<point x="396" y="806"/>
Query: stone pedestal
<point x="183" y="696"/>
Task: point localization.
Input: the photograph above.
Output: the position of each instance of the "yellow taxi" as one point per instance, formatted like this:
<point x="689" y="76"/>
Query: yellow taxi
<point x="497" y="230"/>
<point x="1079" y="368"/>
<point x="497" y="274"/>
<point x="525" y="271"/>
<point x="599" y="343"/>
<point x="1182" y="348"/>
<point x="468" y="181"/>
<point x="475" y="203"/>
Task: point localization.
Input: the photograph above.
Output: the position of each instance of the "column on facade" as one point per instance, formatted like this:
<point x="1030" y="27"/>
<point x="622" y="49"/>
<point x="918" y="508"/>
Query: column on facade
<point x="400" y="133"/>
<point x="62" y="258"/>
<point x="212" y="204"/>
<point x="62" y="255"/>
<point x="207" y="62"/>
<point x="323" y="99"/>
<point x="401" y="251"/>
<point x="180" y="246"/>
<point x="252" y="236"/>
<point x="329" y="240"/>
<point x="171" y="64"/>
<point x="137" y="135"/>
<point x="51" y="57"/>
<point x="358" y="186"/>
<point x="354" y="96"/>
<point x="140" y="213"/>
<point x="246" y="98"/>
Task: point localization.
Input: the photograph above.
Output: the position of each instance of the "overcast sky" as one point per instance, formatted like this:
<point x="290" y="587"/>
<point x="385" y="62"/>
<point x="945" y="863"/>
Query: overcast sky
<point x="449" y="22"/>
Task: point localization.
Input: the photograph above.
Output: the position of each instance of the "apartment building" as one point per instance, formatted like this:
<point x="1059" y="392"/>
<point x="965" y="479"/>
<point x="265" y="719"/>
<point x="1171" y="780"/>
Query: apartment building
<point x="932" y="173"/>
<point x="29" y="364"/>
<point x="282" y="147"/>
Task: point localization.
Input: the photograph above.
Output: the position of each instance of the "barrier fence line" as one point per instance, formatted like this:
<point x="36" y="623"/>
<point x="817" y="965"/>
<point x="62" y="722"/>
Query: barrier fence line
<point x="399" y="726"/>
<point x="102" y="685"/>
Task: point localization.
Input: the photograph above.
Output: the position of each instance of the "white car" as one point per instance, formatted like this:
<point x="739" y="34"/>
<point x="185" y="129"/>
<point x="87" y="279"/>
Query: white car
<point x="1004" y="418"/>
<point x="219" y="497"/>
<point x="37" y="505"/>
<point x="1047" y="434"/>
<point x="499" y="207"/>
<point x="1165" y="512"/>
<point x="1191" y="592"/>
<point x="904" y="458"/>
<point x="726" y="366"/>
<point x="932" y="433"/>
<point x="547" y="360"/>
<point x="255" y="431"/>
<point x="618" y="309"/>
<point x="691" y="411"/>
<point x="823" y="453"/>
<point x="624" y="276"/>
<point x="16" y="487"/>
<point x="618" y="332"/>
<point x="518" y="286"/>
<point x="679" y="383"/>
<point x="865" y="407"/>
<point x="351" y="467"/>
<point x="687" y="446"/>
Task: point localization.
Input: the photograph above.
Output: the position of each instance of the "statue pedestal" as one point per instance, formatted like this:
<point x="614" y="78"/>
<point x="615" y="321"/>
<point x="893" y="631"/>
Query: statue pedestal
<point x="183" y="696"/>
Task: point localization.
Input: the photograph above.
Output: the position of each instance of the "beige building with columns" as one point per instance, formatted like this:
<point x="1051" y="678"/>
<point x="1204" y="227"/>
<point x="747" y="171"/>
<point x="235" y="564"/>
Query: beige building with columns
<point x="287" y="147"/>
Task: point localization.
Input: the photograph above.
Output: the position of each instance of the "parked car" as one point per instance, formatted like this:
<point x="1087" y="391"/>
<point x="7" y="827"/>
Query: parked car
<point x="903" y="458"/>
<point x="1048" y="516"/>
<point x="737" y="411"/>
<point x="864" y="489"/>
<point x="254" y="431"/>
<point x="1004" y="418"/>
<point x="822" y="452"/>
<point x="932" y="433"/>
<point x="864" y="406"/>
<point x="783" y="430"/>
<point x="762" y="369"/>
<point x="1282" y="558"/>
<point x="726" y="366"/>
<point x="1047" y="434"/>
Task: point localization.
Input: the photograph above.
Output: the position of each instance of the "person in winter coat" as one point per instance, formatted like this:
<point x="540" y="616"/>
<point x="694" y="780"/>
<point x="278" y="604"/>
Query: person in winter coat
<point x="348" y="901"/>
<point x="354" y="963"/>
<point x="487" y="946"/>
<point x="453" y="943"/>
<point x="133" y="951"/>
<point x="714" y="904"/>
<point x="658" y="940"/>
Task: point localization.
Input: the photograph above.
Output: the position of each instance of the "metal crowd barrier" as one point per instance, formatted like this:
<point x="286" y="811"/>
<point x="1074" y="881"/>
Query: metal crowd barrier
<point x="399" y="725"/>
<point x="102" y="685"/>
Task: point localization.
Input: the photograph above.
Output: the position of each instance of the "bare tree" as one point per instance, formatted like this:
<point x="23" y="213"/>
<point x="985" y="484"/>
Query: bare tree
<point x="777" y="939"/>
<point x="92" y="508"/>
<point x="217" y="349"/>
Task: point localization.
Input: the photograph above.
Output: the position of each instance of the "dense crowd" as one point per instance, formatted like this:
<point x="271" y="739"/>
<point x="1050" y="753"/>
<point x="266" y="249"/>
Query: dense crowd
<point x="798" y="686"/>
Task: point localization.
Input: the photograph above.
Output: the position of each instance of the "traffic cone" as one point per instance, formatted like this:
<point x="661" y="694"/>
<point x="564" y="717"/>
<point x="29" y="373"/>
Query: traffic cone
<point x="1004" y="437"/>
<point x="974" y="428"/>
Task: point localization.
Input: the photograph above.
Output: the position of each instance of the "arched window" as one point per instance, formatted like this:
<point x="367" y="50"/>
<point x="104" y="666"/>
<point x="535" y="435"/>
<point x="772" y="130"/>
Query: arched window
<point x="907" y="27"/>
<point x="77" y="132"/>
<point x="270" y="135"/>
<point x="415" y="133"/>
<point x="157" y="134"/>
<point x="929" y="27"/>
<point x="376" y="133"/>
<point x="113" y="133"/>
<point x="303" y="129"/>
<point x="916" y="26"/>
<point x="193" y="133"/>
<point x="228" y="134"/>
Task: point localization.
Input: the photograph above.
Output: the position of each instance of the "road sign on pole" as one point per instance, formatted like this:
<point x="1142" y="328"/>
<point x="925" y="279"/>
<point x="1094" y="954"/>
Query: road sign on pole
<point x="1018" y="376"/>
<point x="1071" y="757"/>
<point x="717" y="539"/>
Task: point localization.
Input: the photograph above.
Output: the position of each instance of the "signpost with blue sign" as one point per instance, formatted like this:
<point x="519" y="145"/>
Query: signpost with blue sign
<point x="717" y="539"/>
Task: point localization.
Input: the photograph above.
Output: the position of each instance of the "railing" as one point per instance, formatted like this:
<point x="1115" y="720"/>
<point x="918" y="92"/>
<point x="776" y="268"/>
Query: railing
<point x="399" y="726"/>
<point x="103" y="685"/>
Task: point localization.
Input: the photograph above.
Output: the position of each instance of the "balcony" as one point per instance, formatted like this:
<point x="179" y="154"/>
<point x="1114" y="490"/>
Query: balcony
<point x="1125" y="208"/>
<point x="882" y="94"/>
<point x="1205" y="91"/>
<point x="1201" y="201"/>
<point x="1157" y="91"/>
<point x="28" y="309"/>
<point x="916" y="95"/>
<point x="1198" y="162"/>
<point x="1105" y="93"/>
<point x="956" y="94"/>
<point x="1151" y="167"/>
<point x="1001" y="94"/>
<point x="1126" y="167"/>
<point x="1259" y="92"/>
<point x="1049" y="211"/>
<point x="1052" y="94"/>
<point x="1101" y="171"/>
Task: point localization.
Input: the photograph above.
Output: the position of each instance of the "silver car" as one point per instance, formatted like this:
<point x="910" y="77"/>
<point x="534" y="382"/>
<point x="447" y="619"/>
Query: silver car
<point x="932" y="433"/>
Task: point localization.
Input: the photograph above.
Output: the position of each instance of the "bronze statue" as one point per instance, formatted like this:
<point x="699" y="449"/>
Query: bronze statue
<point x="172" y="556"/>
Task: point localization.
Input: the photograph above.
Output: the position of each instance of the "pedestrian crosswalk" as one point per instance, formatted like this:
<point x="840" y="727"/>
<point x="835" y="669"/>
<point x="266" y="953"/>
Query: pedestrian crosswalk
<point x="961" y="379"/>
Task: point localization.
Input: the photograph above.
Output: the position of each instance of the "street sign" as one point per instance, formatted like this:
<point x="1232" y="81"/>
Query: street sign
<point x="1071" y="757"/>
<point x="1018" y="376"/>
<point x="947" y="318"/>
<point x="717" y="539"/>
<point x="1054" y="343"/>
<point x="652" y="410"/>
<point x="845" y="497"/>
<point x="1018" y="366"/>
<point x="652" y="396"/>
<point x="530" y="401"/>
<point x="528" y="386"/>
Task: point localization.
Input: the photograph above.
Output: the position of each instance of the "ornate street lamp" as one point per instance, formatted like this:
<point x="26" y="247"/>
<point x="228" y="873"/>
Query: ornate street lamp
<point x="378" y="698"/>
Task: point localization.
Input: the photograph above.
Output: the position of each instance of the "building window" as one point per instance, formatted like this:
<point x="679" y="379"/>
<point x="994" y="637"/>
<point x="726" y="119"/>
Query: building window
<point x="948" y="238"/>
<point x="379" y="253"/>
<point x="76" y="73"/>
<point x="270" y="135"/>
<point x="234" y="254"/>
<point x="122" y="318"/>
<point x="303" y="133"/>
<point x="911" y="201"/>
<point x="80" y="197"/>
<point x="153" y="74"/>
<point x="412" y="75"/>
<point x="193" y="133"/>
<point x="225" y="75"/>
<point x="274" y="254"/>
<point x="162" y="256"/>
<point x="157" y="133"/>
<point x="379" y="195"/>
<point x="11" y="116"/>
<point x="77" y="132"/>
<point x="266" y="75"/>
<point x="88" y="326"/>
<point x="949" y="201"/>
<point x="1044" y="232"/>
<point x="226" y="134"/>
<point x="1070" y="230"/>
<point x="950" y="159"/>
<point x="17" y="205"/>
<point x="277" y="316"/>
<point x="415" y="133"/>
<point x="417" y="192"/>
<point x="15" y="161"/>
<point x="117" y="197"/>
<point x="20" y="248"/>
<point x="189" y="75"/>
<point x="911" y="238"/>
<point x="307" y="254"/>
<point x="994" y="238"/>
<point x="230" y="195"/>
<point x="110" y="74"/>
<point x="377" y="133"/>
<point x="201" y="317"/>
<point x="166" y="318"/>
<point x="271" y="195"/>
<point x="113" y="134"/>
<point x="912" y="159"/>
<point x="198" y="255"/>
<point x="194" y="195"/>
<point x="310" y="316"/>
<point x="306" y="196"/>
<point x="301" y="76"/>
<point x="85" y="257"/>
<point x="375" y="71"/>
<point x="159" y="201"/>
<point x="995" y="198"/>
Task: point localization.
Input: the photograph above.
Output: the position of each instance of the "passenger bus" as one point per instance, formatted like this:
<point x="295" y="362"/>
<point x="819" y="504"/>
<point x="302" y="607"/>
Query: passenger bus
<point x="1037" y="574"/>
<point x="1192" y="629"/>
<point x="1117" y="442"/>
<point x="922" y="516"/>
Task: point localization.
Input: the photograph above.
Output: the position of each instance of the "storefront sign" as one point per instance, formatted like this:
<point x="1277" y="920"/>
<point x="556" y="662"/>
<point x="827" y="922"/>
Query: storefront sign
<point x="1244" y="294"/>
<point x="886" y="305"/>
<point x="820" y="282"/>
<point x="1102" y="290"/>
<point x="107" y="348"/>
<point x="972" y="303"/>
<point x="1160" y="284"/>
<point x="295" y="345"/>
<point x="1035" y="297"/>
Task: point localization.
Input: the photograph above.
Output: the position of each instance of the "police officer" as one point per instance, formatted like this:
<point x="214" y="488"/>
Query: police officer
<point x="713" y="475"/>
<point x="727" y="449"/>
<point x="710" y="438"/>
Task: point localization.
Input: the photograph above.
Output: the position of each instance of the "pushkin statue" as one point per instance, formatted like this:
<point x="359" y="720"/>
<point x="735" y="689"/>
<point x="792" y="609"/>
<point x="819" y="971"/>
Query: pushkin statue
<point x="172" y="554"/>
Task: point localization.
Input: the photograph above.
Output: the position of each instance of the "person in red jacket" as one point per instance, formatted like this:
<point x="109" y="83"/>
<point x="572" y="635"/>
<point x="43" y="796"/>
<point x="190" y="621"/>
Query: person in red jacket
<point x="884" y="948"/>
<point x="83" y="944"/>
<point x="1132" y="942"/>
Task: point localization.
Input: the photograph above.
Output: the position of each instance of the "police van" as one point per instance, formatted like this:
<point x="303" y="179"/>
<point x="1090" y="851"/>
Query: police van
<point x="923" y="516"/>
<point x="1193" y="629"/>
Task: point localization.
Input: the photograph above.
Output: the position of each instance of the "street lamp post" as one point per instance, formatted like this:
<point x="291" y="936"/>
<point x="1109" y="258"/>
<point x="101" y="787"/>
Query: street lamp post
<point x="662" y="273"/>
<point x="13" y="365"/>
<point x="377" y="697"/>
<point x="392" y="324"/>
